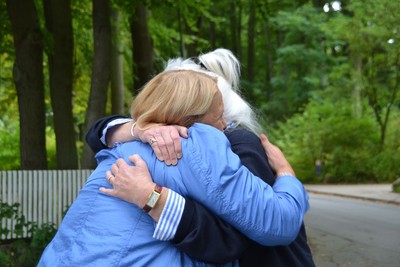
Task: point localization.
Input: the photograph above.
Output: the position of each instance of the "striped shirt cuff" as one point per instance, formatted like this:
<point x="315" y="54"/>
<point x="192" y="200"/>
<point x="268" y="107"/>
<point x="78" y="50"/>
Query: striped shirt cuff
<point x="170" y="217"/>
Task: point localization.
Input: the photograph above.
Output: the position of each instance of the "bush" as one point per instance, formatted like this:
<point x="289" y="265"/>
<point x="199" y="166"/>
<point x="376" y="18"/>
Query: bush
<point x="347" y="147"/>
<point x="22" y="251"/>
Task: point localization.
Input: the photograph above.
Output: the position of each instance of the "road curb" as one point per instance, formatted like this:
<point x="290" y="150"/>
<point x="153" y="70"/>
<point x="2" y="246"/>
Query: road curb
<point x="380" y="200"/>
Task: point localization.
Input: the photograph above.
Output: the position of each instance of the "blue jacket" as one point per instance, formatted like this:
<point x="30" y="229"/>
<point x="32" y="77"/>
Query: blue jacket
<point x="100" y="230"/>
<point x="198" y="226"/>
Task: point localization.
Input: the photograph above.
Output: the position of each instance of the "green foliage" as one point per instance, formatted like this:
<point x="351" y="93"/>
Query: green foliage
<point x="166" y="32"/>
<point x="19" y="251"/>
<point x="4" y="259"/>
<point x="12" y="212"/>
<point x="302" y="63"/>
<point x="51" y="148"/>
<point x="374" y="50"/>
<point x="6" y="43"/>
<point x="9" y="143"/>
<point x="347" y="146"/>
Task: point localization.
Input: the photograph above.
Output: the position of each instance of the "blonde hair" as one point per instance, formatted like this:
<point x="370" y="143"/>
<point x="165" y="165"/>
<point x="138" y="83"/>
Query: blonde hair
<point x="180" y="97"/>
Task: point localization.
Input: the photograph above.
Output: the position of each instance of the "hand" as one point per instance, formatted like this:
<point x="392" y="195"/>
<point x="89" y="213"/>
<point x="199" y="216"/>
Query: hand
<point x="275" y="156"/>
<point x="165" y="141"/>
<point x="130" y="183"/>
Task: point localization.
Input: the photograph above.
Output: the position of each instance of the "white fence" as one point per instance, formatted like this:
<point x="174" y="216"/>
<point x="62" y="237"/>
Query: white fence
<point x="43" y="195"/>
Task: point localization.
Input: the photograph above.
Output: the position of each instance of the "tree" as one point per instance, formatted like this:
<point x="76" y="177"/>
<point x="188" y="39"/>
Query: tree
<point x="375" y="53"/>
<point x="143" y="55"/>
<point x="250" y="41"/>
<point x="117" y="70"/>
<point x="301" y="60"/>
<point x="59" y="26"/>
<point x="100" y="72"/>
<point x="28" y="78"/>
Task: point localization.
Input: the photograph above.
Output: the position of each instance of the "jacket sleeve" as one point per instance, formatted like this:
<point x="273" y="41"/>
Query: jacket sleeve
<point x="96" y="131"/>
<point x="198" y="225"/>
<point x="268" y="215"/>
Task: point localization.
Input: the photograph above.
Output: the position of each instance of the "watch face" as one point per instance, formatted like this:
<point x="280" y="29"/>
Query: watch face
<point x="153" y="199"/>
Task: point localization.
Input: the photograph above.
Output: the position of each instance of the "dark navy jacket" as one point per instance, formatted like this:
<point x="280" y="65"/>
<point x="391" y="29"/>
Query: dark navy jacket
<point x="204" y="236"/>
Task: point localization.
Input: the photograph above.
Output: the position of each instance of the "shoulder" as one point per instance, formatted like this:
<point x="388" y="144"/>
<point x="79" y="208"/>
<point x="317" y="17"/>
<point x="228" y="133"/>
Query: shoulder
<point x="248" y="147"/>
<point x="124" y="150"/>
<point x="207" y="147"/>
<point x="207" y="141"/>
<point x="200" y="128"/>
<point x="243" y="139"/>
<point x="240" y="134"/>
<point x="204" y="134"/>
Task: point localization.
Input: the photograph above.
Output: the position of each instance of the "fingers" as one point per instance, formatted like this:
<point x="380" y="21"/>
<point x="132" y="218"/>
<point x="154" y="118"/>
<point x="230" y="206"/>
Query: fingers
<point x="176" y="147"/>
<point x="276" y="158"/>
<point x="138" y="161"/>
<point x="116" y="170"/>
<point x="129" y="183"/>
<point x="108" y="191"/>
<point x="158" y="143"/>
<point x="166" y="142"/>
<point x="167" y="147"/>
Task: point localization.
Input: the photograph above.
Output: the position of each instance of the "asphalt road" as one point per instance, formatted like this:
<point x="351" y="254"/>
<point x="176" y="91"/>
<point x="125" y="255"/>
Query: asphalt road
<point x="347" y="232"/>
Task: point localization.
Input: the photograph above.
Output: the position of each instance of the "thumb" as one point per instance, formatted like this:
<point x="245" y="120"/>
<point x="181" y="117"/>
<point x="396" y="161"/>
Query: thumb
<point x="137" y="160"/>
<point x="183" y="132"/>
<point x="265" y="143"/>
<point x="264" y="139"/>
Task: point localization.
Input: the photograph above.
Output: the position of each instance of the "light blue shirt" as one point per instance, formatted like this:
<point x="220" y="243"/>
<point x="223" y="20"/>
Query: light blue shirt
<point x="101" y="230"/>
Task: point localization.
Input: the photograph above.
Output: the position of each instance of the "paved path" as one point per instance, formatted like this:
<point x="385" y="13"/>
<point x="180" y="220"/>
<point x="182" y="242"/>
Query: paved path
<point x="334" y="247"/>
<point x="372" y="192"/>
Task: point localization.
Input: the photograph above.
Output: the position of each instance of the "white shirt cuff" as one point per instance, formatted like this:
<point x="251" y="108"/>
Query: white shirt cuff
<point x="112" y="124"/>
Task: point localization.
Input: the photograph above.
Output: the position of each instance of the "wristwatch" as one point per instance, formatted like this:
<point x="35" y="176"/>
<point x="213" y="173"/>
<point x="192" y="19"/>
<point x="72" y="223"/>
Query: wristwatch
<point x="153" y="198"/>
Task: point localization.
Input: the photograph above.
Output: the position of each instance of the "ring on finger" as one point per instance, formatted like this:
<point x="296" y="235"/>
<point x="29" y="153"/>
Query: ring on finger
<point x="152" y="141"/>
<point x="109" y="178"/>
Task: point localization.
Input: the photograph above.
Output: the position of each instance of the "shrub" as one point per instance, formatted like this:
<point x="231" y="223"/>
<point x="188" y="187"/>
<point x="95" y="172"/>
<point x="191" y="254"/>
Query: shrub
<point x="22" y="251"/>
<point x="347" y="146"/>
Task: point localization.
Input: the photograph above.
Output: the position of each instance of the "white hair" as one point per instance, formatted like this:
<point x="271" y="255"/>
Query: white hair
<point x="223" y="65"/>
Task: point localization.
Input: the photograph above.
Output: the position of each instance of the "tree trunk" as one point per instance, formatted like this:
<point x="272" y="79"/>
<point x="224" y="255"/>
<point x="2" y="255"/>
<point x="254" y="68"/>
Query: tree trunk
<point x="180" y="30"/>
<point x="143" y="55"/>
<point x="250" y="42"/>
<point x="28" y="78"/>
<point x="233" y="28"/>
<point x="239" y="30"/>
<point x="356" y="103"/>
<point x="270" y="67"/>
<point x="117" y="71"/>
<point x="212" y="36"/>
<point x="59" y="25"/>
<point x="100" y="73"/>
<point x="192" y="48"/>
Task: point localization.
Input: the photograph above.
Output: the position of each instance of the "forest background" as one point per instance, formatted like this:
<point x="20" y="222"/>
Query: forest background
<point x="323" y="76"/>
